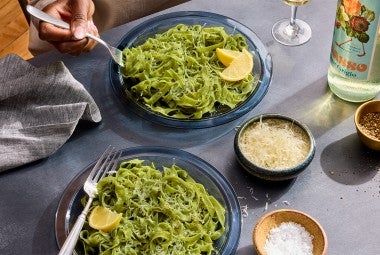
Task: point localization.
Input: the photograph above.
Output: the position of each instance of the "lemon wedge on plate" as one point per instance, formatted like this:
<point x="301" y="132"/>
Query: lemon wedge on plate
<point x="226" y="56"/>
<point x="102" y="218"/>
<point x="239" y="68"/>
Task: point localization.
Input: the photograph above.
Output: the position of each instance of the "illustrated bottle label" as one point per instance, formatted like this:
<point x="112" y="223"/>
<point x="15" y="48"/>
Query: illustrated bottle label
<point x="355" y="34"/>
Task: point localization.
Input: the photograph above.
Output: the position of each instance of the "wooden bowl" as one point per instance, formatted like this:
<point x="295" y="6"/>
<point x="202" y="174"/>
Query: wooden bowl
<point x="368" y="107"/>
<point x="275" y="218"/>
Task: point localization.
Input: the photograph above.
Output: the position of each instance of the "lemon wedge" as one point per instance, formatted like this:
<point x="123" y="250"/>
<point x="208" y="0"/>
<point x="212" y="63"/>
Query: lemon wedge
<point x="102" y="218"/>
<point x="226" y="56"/>
<point x="239" y="68"/>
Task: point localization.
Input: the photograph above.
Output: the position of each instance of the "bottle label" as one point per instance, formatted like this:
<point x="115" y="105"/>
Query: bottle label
<point x="355" y="35"/>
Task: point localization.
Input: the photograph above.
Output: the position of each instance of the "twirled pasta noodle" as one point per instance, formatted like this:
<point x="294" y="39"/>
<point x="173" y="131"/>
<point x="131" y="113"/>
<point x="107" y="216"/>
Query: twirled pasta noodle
<point x="176" y="73"/>
<point x="163" y="213"/>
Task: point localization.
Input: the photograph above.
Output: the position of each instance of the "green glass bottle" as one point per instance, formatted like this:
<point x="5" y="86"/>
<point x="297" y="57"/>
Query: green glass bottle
<point x="354" y="71"/>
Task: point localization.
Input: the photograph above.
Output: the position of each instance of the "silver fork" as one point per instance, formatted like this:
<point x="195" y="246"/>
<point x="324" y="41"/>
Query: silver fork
<point x="116" y="54"/>
<point x="106" y="164"/>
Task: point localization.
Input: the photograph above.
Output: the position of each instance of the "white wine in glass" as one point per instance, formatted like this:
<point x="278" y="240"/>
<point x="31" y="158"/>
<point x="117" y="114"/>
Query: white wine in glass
<point x="295" y="2"/>
<point x="292" y="32"/>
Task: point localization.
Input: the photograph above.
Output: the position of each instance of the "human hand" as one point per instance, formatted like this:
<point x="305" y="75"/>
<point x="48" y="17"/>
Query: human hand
<point x="78" y="13"/>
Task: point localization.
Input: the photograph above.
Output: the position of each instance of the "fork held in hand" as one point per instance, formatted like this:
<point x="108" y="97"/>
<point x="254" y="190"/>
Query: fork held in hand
<point x="116" y="54"/>
<point x="106" y="163"/>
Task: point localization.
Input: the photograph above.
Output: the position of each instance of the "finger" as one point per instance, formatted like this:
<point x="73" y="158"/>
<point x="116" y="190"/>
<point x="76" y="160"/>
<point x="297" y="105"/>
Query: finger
<point x="92" y="29"/>
<point x="89" y="45"/>
<point x="75" y="47"/>
<point x="49" y="32"/>
<point x="71" y="47"/>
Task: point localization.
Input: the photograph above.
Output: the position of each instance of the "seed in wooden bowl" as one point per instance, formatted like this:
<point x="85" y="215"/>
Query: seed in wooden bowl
<point x="370" y="124"/>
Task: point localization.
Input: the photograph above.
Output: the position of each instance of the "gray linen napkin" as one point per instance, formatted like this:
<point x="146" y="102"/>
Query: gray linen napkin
<point x="39" y="110"/>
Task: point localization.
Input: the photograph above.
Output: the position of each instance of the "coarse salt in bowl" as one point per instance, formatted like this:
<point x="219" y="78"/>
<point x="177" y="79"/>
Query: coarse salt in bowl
<point x="288" y="231"/>
<point x="274" y="147"/>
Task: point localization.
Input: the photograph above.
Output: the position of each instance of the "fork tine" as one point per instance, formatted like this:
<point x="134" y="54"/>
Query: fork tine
<point x="101" y="159"/>
<point x="104" y="166"/>
<point x="112" y="166"/>
<point x="117" y="55"/>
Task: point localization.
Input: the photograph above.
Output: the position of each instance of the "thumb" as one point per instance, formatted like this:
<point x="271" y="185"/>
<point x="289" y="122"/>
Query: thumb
<point x="79" y="29"/>
<point x="79" y="10"/>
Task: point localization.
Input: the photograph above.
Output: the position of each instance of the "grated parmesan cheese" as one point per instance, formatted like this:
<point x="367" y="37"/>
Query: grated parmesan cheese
<point x="289" y="238"/>
<point x="244" y="211"/>
<point x="275" y="144"/>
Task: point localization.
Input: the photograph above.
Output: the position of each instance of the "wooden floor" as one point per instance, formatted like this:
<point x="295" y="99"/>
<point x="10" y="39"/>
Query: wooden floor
<point x="14" y="30"/>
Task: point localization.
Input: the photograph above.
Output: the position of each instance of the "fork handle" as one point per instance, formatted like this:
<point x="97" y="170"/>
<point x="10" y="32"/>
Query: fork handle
<point x="57" y="22"/>
<point x="46" y="17"/>
<point x="72" y="239"/>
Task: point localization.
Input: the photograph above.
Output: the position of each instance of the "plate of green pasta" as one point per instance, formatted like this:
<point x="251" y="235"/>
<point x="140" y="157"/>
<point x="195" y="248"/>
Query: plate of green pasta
<point x="172" y="72"/>
<point x="171" y="201"/>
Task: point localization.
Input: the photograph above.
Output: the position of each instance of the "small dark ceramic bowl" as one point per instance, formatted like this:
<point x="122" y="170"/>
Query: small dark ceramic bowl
<point x="367" y="108"/>
<point x="273" y="174"/>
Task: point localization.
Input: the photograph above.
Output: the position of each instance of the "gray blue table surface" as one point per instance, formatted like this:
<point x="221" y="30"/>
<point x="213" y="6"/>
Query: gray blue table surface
<point x="340" y="188"/>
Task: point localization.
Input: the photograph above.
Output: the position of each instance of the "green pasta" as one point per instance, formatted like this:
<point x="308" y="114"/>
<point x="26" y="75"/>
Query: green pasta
<point x="163" y="213"/>
<point x="176" y="73"/>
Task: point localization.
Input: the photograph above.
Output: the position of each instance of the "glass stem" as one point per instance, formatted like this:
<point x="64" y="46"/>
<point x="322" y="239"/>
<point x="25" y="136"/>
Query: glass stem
<point x="293" y="15"/>
<point x="292" y="28"/>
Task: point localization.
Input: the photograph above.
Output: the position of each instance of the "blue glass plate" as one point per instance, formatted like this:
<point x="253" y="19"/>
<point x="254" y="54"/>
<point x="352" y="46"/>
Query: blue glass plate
<point x="138" y="35"/>
<point x="216" y="184"/>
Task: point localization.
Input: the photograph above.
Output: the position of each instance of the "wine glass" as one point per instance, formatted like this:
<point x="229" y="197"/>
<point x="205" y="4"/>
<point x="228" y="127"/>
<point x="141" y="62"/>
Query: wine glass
<point x="292" y="32"/>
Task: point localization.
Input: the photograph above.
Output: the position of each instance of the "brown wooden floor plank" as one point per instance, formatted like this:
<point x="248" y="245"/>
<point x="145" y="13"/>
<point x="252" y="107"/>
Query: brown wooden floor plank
<point x="9" y="12"/>
<point x="18" y="47"/>
<point x="14" y="30"/>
